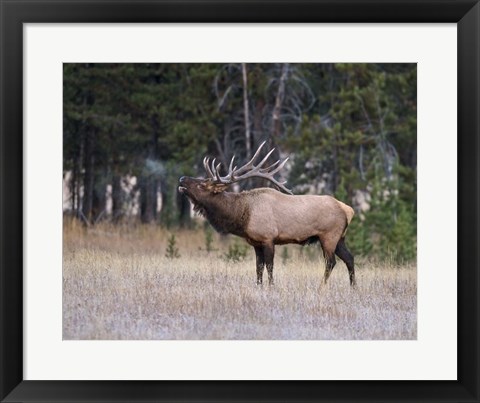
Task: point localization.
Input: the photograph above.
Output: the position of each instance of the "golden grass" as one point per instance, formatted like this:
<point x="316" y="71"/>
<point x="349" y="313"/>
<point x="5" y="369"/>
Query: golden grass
<point x="118" y="284"/>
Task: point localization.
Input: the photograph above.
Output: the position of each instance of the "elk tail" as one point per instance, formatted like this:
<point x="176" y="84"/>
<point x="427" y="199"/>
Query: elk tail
<point x="349" y="213"/>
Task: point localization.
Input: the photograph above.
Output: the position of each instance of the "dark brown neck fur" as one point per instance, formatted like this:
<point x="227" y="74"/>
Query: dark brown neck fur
<point x="226" y="212"/>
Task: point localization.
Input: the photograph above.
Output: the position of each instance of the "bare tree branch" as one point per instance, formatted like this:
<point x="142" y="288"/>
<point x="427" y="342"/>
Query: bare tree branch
<point x="278" y="101"/>
<point x="245" y="111"/>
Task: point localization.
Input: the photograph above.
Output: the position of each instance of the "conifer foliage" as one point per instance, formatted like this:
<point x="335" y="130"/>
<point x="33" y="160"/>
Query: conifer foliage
<point x="130" y="131"/>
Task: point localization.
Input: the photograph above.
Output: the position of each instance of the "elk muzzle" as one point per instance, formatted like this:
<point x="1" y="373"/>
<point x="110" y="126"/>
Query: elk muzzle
<point x="181" y="182"/>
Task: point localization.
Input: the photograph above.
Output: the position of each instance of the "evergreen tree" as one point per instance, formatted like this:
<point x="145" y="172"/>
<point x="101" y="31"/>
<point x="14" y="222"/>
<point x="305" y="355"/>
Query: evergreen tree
<point x="350" y="130"/>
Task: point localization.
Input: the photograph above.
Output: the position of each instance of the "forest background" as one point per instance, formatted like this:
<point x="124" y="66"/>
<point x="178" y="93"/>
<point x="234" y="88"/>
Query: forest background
<point x="131" y="130"/>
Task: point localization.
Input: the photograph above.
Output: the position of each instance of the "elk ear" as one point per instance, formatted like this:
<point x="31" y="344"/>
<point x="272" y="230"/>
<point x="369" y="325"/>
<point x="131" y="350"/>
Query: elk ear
<point x="215" y="187"/>
<point x="219" y="188"/>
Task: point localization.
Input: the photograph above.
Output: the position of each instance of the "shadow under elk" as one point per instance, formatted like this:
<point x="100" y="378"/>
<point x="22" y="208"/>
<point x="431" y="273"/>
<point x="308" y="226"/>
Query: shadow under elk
<point x="265" y="217"/>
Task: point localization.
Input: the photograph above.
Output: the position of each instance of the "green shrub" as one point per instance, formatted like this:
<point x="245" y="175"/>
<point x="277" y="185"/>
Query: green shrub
<point x="209" y="239"/>
<point x="172" y="250"/>
<point x="236" y="252"/>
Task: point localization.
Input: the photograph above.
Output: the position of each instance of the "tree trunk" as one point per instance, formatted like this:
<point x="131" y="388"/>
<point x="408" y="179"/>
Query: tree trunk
<point x="78" y="168"/>
<point x="276" y="121"/>
<point x="248" y="140"/>
<point x="148" y="198"/>
<point x="183" y="206"/>
<point x="72" y="186"/>
<point x="117" y="198"/>
<point x="99" y="200"/>
<point x="149" y="183"/>
<point x="88" y="177"/>
<point x="258" y="129"/>
<point x="166" y="212"/>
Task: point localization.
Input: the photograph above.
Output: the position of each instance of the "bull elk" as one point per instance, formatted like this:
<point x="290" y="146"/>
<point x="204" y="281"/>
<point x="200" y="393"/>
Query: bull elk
<point x="265" y="217"/>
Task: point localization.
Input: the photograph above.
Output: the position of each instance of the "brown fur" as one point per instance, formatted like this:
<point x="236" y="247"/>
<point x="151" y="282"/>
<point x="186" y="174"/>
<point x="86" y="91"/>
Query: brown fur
<point x="266" y="217"/>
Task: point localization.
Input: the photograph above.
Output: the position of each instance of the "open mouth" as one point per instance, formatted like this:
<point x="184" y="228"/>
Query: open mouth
<point x="182" y="189"/>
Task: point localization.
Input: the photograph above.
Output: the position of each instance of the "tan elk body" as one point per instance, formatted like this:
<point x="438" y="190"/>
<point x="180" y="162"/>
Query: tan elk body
<point x="266" y="217"/>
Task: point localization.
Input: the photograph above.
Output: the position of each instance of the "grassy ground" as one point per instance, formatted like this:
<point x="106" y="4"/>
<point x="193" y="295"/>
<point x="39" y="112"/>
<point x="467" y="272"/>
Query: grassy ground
<point x="118" y="284"/>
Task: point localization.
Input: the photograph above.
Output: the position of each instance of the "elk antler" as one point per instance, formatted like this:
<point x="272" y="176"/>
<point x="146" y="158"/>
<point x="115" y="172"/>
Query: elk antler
<point x="249" y="170"/>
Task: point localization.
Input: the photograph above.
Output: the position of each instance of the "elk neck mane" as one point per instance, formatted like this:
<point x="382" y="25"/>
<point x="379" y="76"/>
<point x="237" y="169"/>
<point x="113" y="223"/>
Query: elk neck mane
<point x="227" y="212"/>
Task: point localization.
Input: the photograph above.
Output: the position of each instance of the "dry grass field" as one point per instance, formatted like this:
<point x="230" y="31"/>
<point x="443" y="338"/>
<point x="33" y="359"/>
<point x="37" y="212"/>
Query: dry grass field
<point x="118" y="284"/>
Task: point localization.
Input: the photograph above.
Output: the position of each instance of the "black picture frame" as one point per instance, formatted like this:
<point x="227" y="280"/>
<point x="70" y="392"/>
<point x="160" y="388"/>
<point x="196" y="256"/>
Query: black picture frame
<point x="14" y="13"/>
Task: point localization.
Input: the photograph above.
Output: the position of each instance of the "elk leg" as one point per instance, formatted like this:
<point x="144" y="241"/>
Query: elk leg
<point x="330" y="262"/>
<point x="328" y="247"/>
<point x="269" y="253"/>
<point x="343" y="253"/>
<point x="260" y="263"/>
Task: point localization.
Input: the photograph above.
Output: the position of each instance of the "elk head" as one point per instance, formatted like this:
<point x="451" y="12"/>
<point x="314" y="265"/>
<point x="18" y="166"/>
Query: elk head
<point x="199" y="188"/>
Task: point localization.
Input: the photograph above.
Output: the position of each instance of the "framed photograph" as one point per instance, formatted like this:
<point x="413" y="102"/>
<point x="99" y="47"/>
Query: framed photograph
<point x="230" y="200"/>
